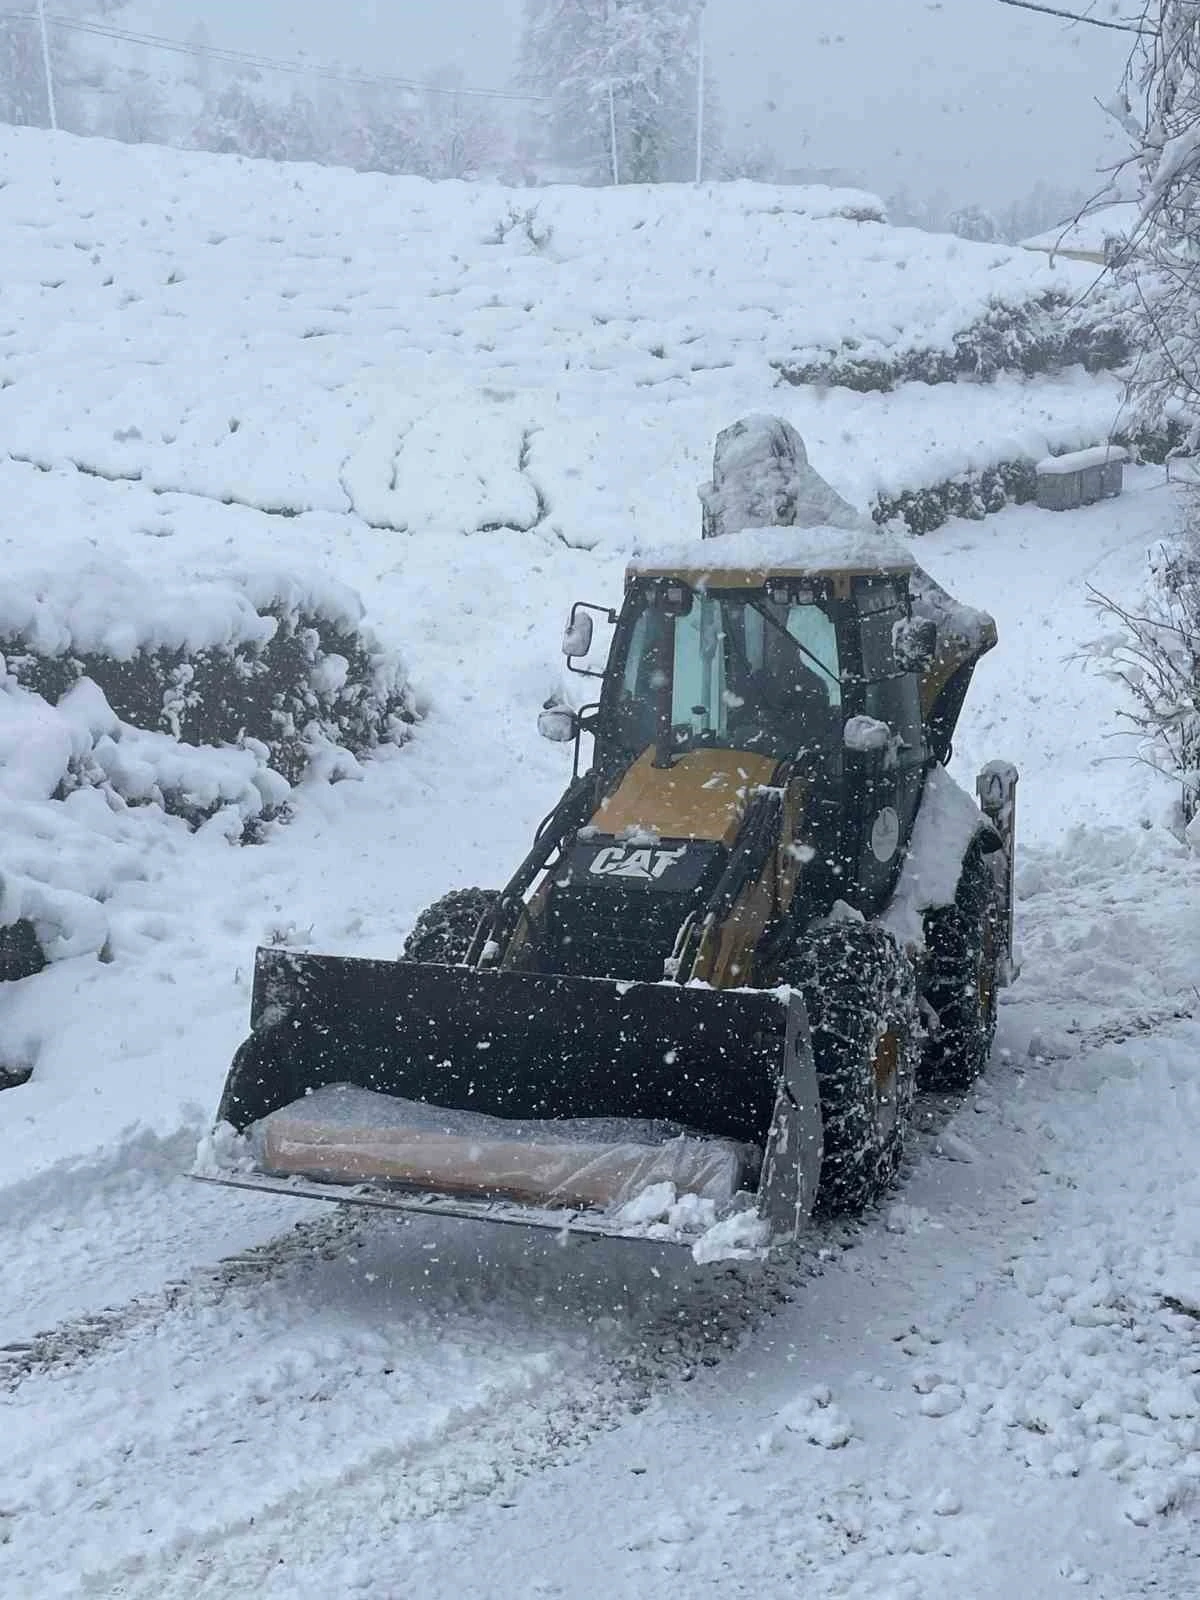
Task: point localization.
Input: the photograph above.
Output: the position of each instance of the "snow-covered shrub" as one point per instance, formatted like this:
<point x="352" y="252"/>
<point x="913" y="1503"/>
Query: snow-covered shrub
<point x="129" y="709"/>
<point x="1036" y="336"/>
<point x="973" y="494"/>
<point x="1158" y="107"/>
<point x="252" y="659"/>
<point x="976" y="495"/>
<point x="73" y="780"/>
<point x="1155" y="653"/>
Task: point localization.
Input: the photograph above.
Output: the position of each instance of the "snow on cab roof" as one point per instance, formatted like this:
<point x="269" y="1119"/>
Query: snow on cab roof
<point x="777" y="551"/>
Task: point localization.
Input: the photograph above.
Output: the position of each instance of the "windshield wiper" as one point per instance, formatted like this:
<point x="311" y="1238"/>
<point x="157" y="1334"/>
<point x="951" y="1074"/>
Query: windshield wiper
<point x="792" y="639"/>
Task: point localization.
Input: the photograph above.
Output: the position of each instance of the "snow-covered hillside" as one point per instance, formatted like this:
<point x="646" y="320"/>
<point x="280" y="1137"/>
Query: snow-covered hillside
<point x="299" y="339"/>
<point x="210" y="367"/>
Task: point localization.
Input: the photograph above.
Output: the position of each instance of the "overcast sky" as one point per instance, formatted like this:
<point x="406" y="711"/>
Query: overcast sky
<point x="969" y="96"/>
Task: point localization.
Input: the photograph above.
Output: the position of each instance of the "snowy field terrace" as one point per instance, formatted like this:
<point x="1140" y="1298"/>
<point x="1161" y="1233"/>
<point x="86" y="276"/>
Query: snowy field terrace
<point x="299" y="339"/>
<point x="991" y="1389"/>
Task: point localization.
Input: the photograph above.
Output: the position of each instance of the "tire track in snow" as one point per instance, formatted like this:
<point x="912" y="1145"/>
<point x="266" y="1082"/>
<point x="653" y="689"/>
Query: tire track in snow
<point x="85" y="1241"/>
<point x="690" y="1323"/>
<point x="80" y="1339"/>
<point x="377" y="1460"/>
<point x="624" y="1321"/>
<point x="448" y="1377"/>
<point x="364" y="1381"/>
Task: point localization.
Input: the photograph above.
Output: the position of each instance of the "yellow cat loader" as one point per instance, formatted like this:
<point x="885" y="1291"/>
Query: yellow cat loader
<point x="761" y="914"/>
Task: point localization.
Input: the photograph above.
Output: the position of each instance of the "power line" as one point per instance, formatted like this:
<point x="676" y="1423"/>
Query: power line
<point x="1075" y="16"/>
<point x="245" y="58"/>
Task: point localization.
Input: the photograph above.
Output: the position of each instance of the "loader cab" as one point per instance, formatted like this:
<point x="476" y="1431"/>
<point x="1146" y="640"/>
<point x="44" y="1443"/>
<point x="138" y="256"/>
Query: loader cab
<point x="775" y="666"/>
<point x="738" y="669"/>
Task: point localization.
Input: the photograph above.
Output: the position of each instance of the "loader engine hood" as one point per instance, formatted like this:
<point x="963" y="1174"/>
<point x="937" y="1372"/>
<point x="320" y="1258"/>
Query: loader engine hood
<point x="702" y="795"/>
<point x="652" y="853"/>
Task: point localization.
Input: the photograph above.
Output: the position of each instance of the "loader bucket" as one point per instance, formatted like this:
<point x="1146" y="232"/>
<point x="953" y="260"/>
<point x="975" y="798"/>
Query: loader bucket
<point x="509" y="1044"/>
<point x="730" y="1064"/>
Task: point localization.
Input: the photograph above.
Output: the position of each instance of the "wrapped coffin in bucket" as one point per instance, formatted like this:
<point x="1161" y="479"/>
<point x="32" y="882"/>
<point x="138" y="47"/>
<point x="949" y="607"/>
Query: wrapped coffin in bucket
<point x="344" y="1134"/>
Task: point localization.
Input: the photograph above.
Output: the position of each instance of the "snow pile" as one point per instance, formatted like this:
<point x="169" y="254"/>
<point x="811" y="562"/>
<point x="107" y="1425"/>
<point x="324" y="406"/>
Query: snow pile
<point x="800" y="550"/>
<point x="864" y="734"/>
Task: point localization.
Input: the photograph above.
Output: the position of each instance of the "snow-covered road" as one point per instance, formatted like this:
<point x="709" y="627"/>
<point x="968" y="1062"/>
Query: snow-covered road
<point x="991" y="1389"/>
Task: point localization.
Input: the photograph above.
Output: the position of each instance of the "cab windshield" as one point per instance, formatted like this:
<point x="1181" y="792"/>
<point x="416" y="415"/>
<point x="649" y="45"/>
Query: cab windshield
<point x="739" y="671"/>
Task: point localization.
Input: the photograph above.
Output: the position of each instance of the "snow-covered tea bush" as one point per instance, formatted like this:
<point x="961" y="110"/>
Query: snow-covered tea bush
<point x="972" y="494"/>
<point x="128" y="710"/>
<point x="1035" y="336"/>
<point x="84" y="798"/>
<point x="255" y="658"/>
<point x="976" y="495"/>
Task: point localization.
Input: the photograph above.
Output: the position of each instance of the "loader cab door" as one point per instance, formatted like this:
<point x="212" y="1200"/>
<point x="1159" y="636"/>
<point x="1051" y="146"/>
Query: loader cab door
<point x="882" y="813"/>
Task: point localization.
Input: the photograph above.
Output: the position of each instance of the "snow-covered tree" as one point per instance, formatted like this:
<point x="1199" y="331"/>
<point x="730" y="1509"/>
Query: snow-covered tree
<point x="1159" y="106"/>
<point x="973" y="222"/>
<point x="303" y="135"/>
<point x="460" y="134"/>
<point x="384" y="134"/>
<point x="623" y="68"/>
<point x="1157" y="656"/>
<point x="1045" y="206"/>
<point x="22" y="75"/>
<point x="238" y="122"/>
<point x="1154" y="652"/>
<point x="140" y="114"/>
<point x="758" y="162"/>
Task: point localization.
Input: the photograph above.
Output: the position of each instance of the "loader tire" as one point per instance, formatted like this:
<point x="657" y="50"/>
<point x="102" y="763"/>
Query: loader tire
<point x="965" y="944"/>
<point x="860" y="993"/>
<point x="444" y="930"/>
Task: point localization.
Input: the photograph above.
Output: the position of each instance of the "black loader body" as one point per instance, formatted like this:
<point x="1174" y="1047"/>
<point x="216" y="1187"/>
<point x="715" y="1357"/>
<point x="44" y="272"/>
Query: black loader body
<point x="771" y="705"/>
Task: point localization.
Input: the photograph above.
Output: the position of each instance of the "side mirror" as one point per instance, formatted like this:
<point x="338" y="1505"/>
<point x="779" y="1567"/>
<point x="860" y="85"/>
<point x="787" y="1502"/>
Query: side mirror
<point x="915" y="642"/>
<point x="558" y="723"/>
<point x="577" y="639"/>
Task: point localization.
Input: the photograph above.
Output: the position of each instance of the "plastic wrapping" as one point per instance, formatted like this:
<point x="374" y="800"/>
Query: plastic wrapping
<point x="762" y="479"/>
<point x="342" y="1134"/>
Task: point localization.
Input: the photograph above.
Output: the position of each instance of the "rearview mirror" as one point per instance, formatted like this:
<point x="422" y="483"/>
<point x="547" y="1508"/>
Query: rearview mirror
<point x="559" y="724"/>
<point x="915" y="643"/>
<point x="577" y="639"/>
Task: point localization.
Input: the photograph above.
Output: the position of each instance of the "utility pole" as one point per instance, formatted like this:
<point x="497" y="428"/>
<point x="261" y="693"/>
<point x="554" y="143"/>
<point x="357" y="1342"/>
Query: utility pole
<point x="46" y="65"/>
<point x="612" y="134"/>
<point x="700" y="97"/>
